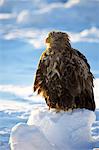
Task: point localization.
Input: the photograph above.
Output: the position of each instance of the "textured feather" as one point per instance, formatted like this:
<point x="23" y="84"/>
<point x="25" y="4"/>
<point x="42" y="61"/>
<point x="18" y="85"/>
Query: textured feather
<point x="63" y="76"/>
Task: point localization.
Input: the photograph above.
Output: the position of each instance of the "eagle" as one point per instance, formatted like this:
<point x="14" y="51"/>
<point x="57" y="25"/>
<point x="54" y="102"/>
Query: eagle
<point x="63" y="76"/>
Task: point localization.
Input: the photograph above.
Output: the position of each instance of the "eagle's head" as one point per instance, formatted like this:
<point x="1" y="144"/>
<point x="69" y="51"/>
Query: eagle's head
<point x="60" y="39"/>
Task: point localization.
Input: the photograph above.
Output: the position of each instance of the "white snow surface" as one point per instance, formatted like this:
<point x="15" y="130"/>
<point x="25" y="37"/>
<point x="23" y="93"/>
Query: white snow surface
<point x="51" y="130"/>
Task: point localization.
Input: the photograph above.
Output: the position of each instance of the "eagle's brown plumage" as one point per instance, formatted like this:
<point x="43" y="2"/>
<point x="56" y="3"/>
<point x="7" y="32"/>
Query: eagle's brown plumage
<point x="63" y="76"/>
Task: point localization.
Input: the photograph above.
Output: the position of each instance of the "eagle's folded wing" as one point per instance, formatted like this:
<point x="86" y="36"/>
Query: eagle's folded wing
<point x="40" y="78"/>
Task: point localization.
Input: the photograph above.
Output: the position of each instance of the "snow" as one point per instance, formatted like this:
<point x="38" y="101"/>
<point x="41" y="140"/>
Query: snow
<point x="51" y="130"/>
<point x="48" y="127"/>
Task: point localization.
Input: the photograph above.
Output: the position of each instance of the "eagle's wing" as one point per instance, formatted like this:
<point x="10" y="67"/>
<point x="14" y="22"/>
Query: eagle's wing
<point x="83" y="57"/>
<point x="86" y="95"/>
<point x="40" y="83"/>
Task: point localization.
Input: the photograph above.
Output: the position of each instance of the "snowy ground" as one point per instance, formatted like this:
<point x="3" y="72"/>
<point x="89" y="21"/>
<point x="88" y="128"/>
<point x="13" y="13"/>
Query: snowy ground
<point x="48" y="130"/>
<point x="18" y="112"/>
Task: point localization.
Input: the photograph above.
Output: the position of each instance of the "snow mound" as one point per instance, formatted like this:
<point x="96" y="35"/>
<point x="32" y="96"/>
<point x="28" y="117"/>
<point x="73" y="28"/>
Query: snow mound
<point x="49" y="130"/>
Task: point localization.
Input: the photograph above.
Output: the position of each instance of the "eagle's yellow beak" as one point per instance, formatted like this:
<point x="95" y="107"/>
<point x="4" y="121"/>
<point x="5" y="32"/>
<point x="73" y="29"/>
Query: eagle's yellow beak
<point x="47" y="40"/>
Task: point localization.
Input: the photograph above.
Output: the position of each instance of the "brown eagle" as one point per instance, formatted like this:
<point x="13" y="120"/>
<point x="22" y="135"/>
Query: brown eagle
<point x="63" y="76"/>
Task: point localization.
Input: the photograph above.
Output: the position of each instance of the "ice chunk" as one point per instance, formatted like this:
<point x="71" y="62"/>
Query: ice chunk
<point x="49" y="130"/>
